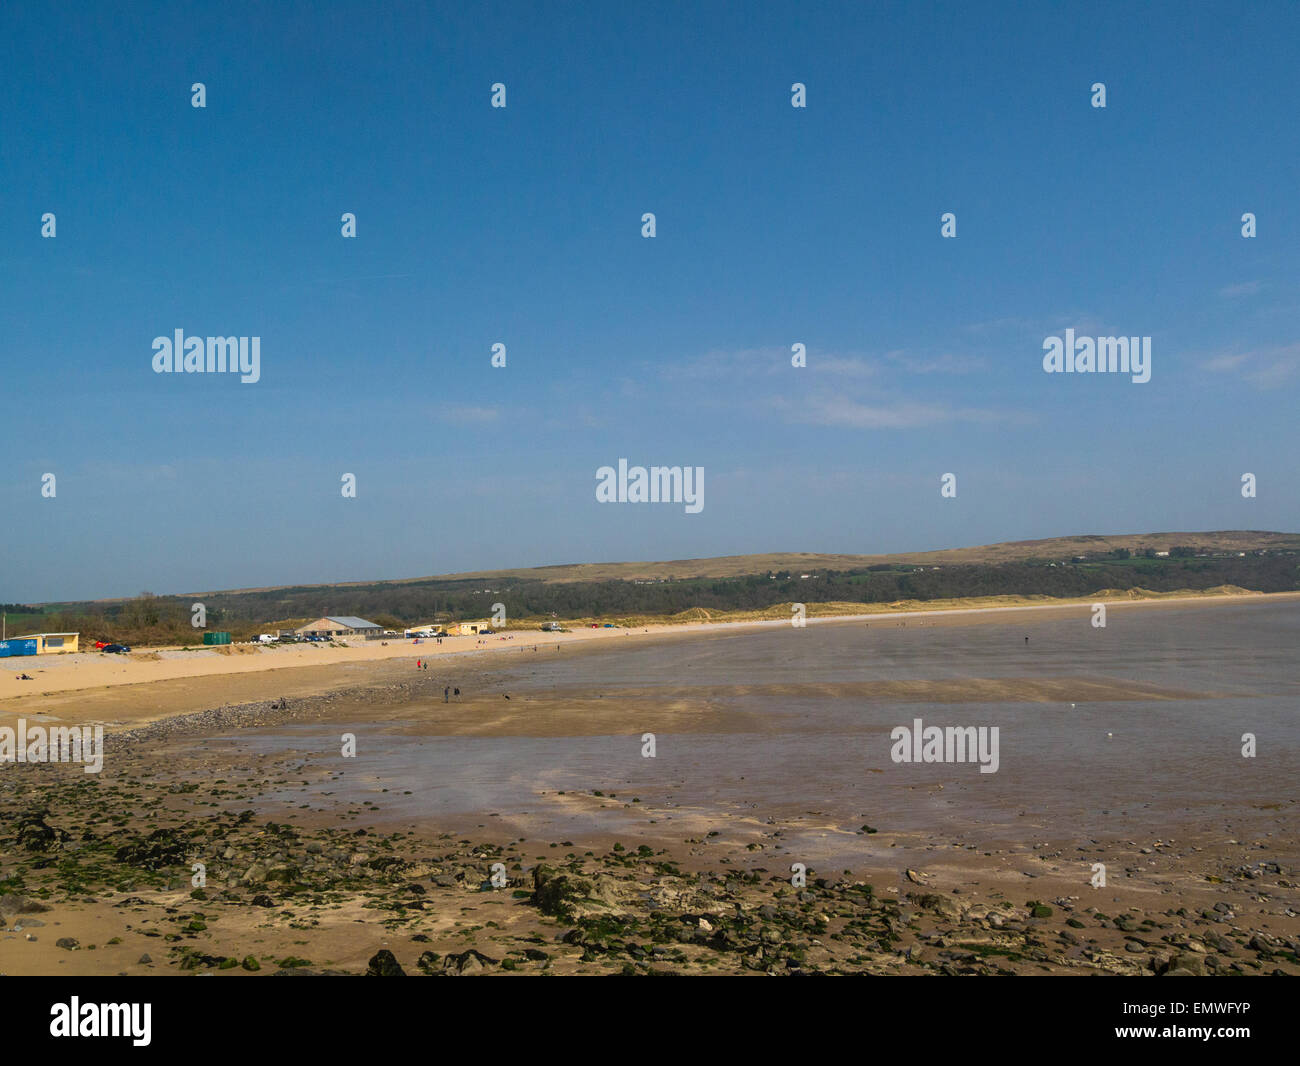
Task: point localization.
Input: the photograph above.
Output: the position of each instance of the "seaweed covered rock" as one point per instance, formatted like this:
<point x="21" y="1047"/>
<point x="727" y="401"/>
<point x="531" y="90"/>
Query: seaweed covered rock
<point x="35" y="834"/>
<point x="159" y="849"/>
<point x="466" y="963"/>
<point x="570" y="897"/>
<point x="384" y="964"/>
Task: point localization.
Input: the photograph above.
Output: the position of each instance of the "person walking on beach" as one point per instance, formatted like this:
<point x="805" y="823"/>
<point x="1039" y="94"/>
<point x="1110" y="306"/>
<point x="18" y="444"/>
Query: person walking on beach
<point x="446" y="694"/>
<point x="456" y="693"/>
<point x="417" y="664"/>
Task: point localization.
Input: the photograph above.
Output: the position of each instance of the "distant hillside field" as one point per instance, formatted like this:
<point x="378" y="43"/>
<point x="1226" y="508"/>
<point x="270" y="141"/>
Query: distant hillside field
<point x="736" y="586"/>
<point x="1052" y="549"/>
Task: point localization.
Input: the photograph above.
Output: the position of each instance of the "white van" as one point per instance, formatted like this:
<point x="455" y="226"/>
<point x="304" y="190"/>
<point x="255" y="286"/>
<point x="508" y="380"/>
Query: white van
<point x="267" y="638"/>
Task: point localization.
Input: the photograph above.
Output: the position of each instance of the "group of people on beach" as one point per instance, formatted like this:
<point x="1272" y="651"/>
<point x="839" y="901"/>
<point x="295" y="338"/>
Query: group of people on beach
<point x="448" y="691"/>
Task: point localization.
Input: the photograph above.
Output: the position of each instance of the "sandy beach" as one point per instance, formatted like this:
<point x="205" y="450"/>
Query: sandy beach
<point x="88" y="685"/>
<point x="1120" y="748"/>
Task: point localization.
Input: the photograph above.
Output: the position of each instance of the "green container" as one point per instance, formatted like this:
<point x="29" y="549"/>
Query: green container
<point x="216" y="638"/>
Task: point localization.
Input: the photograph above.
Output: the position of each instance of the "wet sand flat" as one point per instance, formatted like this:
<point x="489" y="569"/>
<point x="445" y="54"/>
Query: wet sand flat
<point x="1119" y="746"/>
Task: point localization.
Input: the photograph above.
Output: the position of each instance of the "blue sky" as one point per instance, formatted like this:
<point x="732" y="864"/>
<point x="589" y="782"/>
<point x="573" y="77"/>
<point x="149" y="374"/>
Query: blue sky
<point x="522" y="225"/>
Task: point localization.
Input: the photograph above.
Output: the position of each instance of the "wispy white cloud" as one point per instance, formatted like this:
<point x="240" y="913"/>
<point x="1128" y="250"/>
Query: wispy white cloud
<point x="1245" y="288"/>
<point x="947" y="363"/>
<point x="1000" y="325"/>
<point x="1082" y="322"/>
<point x="1225" y="362"/>
<point x="848" y="413"/>
<point x="1277" y="366"/>
<point x="719" y="365"/>
<point x="842" y="366"/>
<point x="755" y="363"/>
<point x="1262" y="367"/>
<point x="470" y="415"/>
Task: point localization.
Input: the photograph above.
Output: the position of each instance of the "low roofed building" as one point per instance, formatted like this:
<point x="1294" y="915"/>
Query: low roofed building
<point x="345" y="625"/>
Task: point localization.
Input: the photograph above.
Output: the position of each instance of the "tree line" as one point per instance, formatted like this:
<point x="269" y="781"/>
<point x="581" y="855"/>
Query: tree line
<point x="149" y="619"/>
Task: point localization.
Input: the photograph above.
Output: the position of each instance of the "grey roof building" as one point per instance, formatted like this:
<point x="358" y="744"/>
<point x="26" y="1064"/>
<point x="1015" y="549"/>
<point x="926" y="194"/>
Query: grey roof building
<point x="337" y="626"/>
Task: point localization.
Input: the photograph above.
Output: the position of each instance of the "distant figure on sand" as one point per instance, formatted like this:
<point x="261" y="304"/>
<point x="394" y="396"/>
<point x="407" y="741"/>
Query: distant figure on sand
<point x="417" y="664"/>
<point x="446" y="694"/>
<point x="456" y="693"/>
<point x="1026" y="640"/>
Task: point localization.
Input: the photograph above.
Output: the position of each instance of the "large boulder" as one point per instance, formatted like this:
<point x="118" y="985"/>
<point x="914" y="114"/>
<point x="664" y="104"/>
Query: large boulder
<point x="570" y="897"/>
<point x="14" y="903"/>
<point x="160" y="849"/>
<point x="35" y="834"/>
<point x="1185" y="965"/>
<point x="467" y="963"/>
<point x="384" y="964"/>
<point x="937" y="903"/>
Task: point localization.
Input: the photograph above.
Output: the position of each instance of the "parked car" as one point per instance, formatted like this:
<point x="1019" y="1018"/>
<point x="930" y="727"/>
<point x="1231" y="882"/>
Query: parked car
<point x="116" y="649"/>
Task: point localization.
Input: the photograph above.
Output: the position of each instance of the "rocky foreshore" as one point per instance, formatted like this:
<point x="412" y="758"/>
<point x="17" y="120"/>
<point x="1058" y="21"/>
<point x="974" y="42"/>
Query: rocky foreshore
<point x="110" y="867"/>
